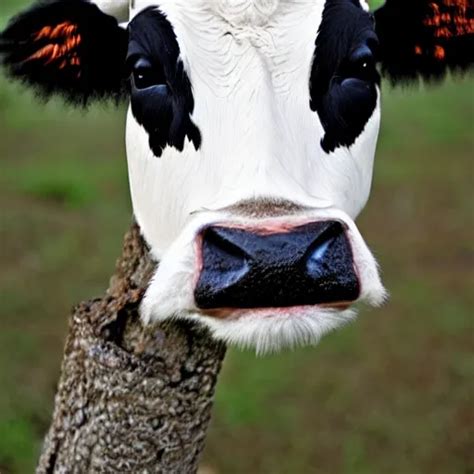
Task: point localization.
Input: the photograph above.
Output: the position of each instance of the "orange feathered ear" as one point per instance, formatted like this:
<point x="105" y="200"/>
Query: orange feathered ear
<point x="66" y="47"/>
<point x="61" y="46"/>
<point x="425" y="38"/>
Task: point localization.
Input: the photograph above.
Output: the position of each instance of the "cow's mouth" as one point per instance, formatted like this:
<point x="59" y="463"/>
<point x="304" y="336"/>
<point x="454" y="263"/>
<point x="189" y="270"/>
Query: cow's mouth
<point x="237" y="313"/>
<point x="266" y="283"/>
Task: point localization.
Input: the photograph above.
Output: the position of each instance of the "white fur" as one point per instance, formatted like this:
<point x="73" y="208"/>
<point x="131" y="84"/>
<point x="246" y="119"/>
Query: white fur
<point x="249" y="63"/>
<point x="267" y="332"/>
<point x="365" y="5"/>
<point x="116" y="8"/>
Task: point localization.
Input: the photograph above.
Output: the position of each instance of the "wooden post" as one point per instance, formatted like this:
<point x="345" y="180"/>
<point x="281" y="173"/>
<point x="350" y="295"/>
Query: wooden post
<point x="131" y="398"/>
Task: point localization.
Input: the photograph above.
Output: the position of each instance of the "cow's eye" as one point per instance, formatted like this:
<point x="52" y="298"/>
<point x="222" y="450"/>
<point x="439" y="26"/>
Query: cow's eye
<point x="361" y="65"/>
<point x="145" y="74"/>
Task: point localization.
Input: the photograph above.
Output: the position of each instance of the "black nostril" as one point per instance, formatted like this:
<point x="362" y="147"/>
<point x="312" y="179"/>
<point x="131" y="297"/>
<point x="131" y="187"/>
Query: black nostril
<point x="244" y="268"/>
<point x="225" y="262"/>
<point x="316" y="262"/>
<point x="329" y="263"/>
<point x="321" y="253"/>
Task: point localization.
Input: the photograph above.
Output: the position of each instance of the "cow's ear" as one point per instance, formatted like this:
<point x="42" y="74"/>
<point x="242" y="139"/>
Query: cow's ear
<point x="425" y="38"/>
<point x="66" y="47"/>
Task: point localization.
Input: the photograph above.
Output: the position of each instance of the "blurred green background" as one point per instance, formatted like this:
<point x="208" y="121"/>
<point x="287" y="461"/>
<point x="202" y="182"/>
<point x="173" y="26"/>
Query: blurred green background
<point x="391" y="393"/>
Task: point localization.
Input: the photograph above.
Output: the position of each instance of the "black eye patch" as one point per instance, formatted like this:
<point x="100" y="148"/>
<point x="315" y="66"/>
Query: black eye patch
<point x="344" y="75"/>
<point x="161" y="93"/>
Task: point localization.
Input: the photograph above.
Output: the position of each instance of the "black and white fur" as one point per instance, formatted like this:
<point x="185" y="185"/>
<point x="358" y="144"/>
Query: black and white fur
<point x="238" y="101"/>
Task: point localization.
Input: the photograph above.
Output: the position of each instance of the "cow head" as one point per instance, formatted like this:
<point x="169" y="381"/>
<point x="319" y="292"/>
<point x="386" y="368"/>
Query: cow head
<point x="251" y="136"/>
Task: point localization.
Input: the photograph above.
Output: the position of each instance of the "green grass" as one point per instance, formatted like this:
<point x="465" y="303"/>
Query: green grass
<point x="391" y="393"/>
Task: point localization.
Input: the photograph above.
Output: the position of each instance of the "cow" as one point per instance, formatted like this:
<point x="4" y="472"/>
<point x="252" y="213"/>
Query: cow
<point x="251" y="135"/>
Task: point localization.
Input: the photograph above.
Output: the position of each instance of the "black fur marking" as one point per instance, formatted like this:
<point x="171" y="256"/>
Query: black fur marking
<point x="162" y="99"/>
<point x="425" y="38"/>
<point x="344" y="75"/>
<point x="69" y="48"/>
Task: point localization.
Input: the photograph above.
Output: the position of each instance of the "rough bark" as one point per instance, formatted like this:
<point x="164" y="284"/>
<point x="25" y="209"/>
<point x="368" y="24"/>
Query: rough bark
<point x="131" y="398"/>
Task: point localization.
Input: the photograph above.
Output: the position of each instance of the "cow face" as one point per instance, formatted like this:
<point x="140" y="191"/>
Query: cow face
<point x="251" y="135"/>
<point x="261" y="143"/>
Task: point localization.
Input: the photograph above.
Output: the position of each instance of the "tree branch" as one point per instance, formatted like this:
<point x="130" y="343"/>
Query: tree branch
<point x="131" y="398"/>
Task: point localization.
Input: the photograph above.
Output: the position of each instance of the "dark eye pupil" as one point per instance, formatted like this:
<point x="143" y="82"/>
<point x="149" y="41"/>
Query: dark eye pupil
<point x="360" y="65"/>
<point x="147" y="75"/>
<point x="363" y="66"/>
<point x="143" y="78"/>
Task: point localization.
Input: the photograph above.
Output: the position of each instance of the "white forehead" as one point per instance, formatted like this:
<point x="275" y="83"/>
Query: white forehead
<point x="255" y="12"/>
<point x="238" y="17"/>
<point x="236" y="12"/>
<point x="227" y="39"/>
